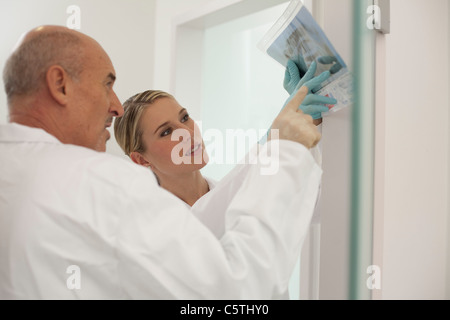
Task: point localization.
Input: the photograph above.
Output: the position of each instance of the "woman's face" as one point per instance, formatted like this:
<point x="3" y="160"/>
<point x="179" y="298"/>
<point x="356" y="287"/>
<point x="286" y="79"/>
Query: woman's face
<point x="172" y="141"/>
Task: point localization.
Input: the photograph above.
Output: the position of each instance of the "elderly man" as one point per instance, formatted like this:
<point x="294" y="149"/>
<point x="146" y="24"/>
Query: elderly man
<point x="79" y="223"/>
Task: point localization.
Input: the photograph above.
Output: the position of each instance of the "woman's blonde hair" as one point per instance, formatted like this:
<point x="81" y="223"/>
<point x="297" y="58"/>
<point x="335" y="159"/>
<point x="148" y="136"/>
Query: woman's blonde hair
<point x="127" y="128"/>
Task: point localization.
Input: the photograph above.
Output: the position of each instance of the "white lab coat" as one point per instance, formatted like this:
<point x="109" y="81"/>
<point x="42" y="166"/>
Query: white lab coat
<point x="211" y="208"/>
<point x="63" y="206"/>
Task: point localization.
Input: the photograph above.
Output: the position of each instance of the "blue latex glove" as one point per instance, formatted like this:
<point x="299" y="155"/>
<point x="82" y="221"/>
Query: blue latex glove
<point x="329" y="60"/>
<point x="295" y="70"/>
<point x="313" y="104"/>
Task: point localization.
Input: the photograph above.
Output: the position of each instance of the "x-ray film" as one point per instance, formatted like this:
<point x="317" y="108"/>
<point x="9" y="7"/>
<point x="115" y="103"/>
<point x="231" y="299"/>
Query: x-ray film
<point x="297" y="36"/>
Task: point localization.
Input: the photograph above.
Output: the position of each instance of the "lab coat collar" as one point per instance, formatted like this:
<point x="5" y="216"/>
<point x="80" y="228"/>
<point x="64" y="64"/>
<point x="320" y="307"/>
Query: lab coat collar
<point x="13" y="132"/>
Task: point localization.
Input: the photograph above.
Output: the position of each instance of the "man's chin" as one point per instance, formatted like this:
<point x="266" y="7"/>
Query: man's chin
<point x="101" y="146"/>
<point x="102" y="149"/>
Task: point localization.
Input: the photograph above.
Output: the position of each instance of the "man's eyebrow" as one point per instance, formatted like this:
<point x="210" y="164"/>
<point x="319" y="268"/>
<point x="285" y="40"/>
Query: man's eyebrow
<point x="111" y="76"/>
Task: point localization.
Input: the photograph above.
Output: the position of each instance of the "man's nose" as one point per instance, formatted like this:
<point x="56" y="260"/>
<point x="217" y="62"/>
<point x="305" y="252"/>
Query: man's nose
<point x="116" y="107"/>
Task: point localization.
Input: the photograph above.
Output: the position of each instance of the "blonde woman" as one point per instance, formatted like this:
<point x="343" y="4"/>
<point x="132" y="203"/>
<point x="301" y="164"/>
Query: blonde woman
<point x="145" y="133"/>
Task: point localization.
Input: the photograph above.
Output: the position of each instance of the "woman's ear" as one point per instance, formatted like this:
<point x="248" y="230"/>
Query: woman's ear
<point x="139" y="159"/>
<point x="57" y="79"/>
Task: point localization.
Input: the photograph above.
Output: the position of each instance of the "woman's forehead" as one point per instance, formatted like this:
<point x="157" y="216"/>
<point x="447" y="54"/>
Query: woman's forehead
<point x="161" y="111"/>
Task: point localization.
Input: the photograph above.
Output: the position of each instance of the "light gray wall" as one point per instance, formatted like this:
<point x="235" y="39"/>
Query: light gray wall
<point x="417" y="158"/>
<point x="167" y="11"/>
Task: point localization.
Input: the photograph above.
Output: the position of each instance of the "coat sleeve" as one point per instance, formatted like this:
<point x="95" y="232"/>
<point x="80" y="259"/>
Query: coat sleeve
<point x="317" y="155"/>
<point x="165" y="252"/>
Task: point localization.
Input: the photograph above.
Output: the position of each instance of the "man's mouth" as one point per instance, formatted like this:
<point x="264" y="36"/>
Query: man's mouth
<point x="108" y="125"/>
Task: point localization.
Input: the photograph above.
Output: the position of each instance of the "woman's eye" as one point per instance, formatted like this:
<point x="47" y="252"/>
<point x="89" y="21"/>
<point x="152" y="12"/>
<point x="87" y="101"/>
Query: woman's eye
<point x="166" y="133"/>
<point x="185" y="118"/>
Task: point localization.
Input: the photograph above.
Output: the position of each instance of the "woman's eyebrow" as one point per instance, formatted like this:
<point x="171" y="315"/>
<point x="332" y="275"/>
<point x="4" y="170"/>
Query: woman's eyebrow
<point x="166" y="123"/>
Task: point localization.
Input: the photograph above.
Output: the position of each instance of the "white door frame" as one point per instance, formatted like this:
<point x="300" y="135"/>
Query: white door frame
<point x="187" y="39"/>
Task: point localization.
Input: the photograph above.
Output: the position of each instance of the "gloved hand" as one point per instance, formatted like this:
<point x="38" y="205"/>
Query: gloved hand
<point x="313" y="104"/>
<point x="329" y="60"/>
<point x="295" y="70"/>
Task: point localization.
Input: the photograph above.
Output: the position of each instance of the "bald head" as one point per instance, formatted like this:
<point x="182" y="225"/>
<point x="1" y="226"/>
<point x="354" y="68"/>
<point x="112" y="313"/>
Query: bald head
<point x="25" y="70"/>
<point x="62" y="81"/>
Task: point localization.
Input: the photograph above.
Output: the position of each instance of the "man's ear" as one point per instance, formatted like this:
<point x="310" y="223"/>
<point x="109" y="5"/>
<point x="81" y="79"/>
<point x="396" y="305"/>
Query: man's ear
<point x="139" y="159"/>
<point x="57" y="81"/>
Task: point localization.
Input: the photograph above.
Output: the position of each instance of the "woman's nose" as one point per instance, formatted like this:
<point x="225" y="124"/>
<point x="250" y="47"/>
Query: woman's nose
<point x="188" y="132"/>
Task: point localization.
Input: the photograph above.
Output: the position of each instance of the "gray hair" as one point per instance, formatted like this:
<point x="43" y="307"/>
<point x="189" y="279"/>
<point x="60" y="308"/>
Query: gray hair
<point x="25" y="70"/>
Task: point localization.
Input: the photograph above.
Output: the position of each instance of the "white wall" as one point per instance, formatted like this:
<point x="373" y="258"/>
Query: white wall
<point x="412" y="220"/>
<point x="166" y="12"/>
<point x="416" y="151"/>
<point x="232" y="60"/>
<point x="125" y="29"/>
